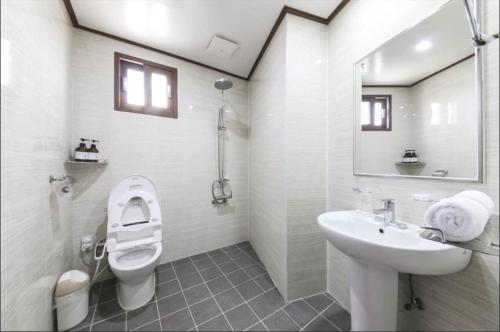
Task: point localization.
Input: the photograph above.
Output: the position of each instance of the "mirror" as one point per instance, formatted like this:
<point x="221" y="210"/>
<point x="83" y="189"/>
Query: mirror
<point x="418" y="102"/>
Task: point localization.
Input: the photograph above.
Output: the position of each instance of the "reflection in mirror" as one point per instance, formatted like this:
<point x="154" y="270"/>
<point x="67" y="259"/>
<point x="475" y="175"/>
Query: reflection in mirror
<point x="417" y="108"/>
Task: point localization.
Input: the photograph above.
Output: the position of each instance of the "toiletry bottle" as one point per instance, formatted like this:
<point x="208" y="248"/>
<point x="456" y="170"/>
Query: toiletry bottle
<point x="81" y="151"/>
<point x="93" y="153"/>
<point x="414" y="157"/>
<point x="406" y="156"/>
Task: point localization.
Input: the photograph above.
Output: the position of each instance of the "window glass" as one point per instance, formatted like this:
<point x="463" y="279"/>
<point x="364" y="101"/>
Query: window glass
<point x="134" y="85"/>
<point x="159" y="90"/>
<point x="365" y="113"/>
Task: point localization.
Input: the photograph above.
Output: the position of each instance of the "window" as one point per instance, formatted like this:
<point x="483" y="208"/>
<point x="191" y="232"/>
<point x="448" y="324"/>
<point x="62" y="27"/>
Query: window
<point x="145" y="87"/>
<point x="376" y="113"/>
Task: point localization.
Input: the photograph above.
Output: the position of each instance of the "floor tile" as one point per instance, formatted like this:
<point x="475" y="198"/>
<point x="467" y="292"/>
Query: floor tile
<point x="185" y="269"/>
<point x="300" y="311"/>
<point x="319" y="302"/>
<point x="257" y="327"/>
<point x="218" y="285"/>
<point x="243" y="261"/>
<point x="204" y="311"/>
<point x="228" y="299"/>
<point x="320" y="324"/>
<point x="171" y="304"/>
<point x="142" y="316"/>
<point x="190" y="280"/>
<point x="167" y="289"/>
<point x="112" y="324"/>
<point x="109" y="283"/>
<point x="228" y="267"/>
<point x="338" y="316"/>
<point x="94" y="294"/>
<point x="264" y="282"/>
<point x="218" y="323"/>
<point x="249" y="290"/>
<point x="108" y="293"/>
<point x="280" y="321"/>
<point x="243" y="244"/>
<point x="234" y="252"/>
<point x="199" y="257"/>
<point x="204" y="264"/>
<point x="153" y="326"/>
<point x="241" y="317"/>
<point x="163" y="267"/>
<point x="107" y="309"/>
<point x="196" y="294"/>
<point x="254" y="270"/>
<point x="218" y="256"/>
<point x="267" y="303"/>
<point x="210" y="273"/>
<point x="181" y="262"/>
<point x="179" y="321"/>
<point x="237" y="277"/>
<point x="165" y="275"/>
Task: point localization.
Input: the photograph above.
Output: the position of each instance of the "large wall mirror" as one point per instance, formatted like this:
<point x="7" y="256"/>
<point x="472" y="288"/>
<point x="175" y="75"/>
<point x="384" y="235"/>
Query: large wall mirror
<point x="418" y="102"/>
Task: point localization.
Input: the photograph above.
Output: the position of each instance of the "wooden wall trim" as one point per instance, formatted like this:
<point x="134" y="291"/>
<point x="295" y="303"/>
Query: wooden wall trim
<point x="284" y="11"/>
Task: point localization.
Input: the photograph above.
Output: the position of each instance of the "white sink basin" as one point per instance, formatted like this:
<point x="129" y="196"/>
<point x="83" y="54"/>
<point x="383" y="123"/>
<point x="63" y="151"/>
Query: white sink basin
<point x="377" y="254"/>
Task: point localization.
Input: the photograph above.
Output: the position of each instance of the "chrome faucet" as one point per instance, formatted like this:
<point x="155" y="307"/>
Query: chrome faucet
<point x="389" y="214"/>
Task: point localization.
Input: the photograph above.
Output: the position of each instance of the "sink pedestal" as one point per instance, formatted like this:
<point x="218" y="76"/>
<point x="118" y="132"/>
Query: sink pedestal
<point x="374" y="297"/>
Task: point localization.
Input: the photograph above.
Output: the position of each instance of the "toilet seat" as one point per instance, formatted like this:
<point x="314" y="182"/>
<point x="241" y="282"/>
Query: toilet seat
<point x="135" y="258"/>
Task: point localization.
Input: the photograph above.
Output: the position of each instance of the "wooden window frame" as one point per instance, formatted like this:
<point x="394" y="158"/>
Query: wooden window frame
<point x="387" y="121"/>
<point x="148" y="68"/>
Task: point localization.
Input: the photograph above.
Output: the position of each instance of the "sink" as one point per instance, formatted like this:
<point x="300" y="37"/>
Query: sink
<point x="377" y="253"/>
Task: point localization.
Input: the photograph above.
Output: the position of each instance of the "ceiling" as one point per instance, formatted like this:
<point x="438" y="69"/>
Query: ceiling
<point x="185" y="27"/>
<point x="399" y="63"/>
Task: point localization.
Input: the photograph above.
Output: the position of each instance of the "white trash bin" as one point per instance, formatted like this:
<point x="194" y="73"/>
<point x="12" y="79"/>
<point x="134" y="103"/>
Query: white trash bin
<point x="72" y="299"/>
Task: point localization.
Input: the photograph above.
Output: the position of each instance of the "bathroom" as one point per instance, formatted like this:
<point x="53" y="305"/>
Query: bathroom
<point x="269" y="144"/>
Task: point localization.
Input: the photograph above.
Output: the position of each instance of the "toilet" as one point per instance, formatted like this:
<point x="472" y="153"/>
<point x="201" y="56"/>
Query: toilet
<point x="134" y="239"/>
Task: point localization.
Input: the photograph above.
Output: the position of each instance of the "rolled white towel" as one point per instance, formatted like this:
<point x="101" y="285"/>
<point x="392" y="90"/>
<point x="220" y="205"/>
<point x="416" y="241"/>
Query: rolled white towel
<point x="461" y="218"/>
<point x="479" y="197"/>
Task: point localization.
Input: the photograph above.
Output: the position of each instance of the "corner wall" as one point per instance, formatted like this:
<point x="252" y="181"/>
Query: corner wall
<point x="36" y="103"/>
<point x="463" y="301"/>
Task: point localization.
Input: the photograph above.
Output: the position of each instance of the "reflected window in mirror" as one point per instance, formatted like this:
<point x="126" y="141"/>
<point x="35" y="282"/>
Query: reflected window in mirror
<point x="376" y="113"/>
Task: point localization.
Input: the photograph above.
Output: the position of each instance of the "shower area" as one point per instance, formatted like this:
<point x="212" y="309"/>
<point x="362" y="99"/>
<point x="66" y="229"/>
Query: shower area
<point x="221" y="190"/>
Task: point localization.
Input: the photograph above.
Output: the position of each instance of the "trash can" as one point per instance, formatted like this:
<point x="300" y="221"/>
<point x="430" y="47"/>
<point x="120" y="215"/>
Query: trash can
<point x="72" y="299"/>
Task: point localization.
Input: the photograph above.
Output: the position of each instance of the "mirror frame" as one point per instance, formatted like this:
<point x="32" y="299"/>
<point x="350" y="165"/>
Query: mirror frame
<point x="479" y="106"/>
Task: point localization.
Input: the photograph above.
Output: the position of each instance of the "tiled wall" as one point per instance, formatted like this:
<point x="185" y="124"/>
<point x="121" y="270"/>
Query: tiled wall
<point x="288" y="157"/>
<point x="178" y="155"/>
<point x="36" y="226"/>
<point x="467" y="300"/>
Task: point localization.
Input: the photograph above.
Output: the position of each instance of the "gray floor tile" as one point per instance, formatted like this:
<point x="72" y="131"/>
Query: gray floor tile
<point x="108" y="293"/>
<point x="181" y="262"/>
<point x="218" y="323"/>
<point x="196" y="294"/>
<point x="107" y="309"/>
<point x="204" y="311"/>
<point x="210" y="273"/>
<point x="179" y="321"/>
<point x="233" y="252"/>
<point x="257" y="327"/>
<point x="111" y="324"/>
<point x="280" y="321"/>
<point x="190" y="280"/>
<point x="185" y="269"/>
<point x="237" y="277"/>
<point x="228" y="299"/>
<point x="267" y="303"/>
<point x="163" y="267"/>
<point x="338" y="316"/>
<point x="243" y="244"/>
<point x="228" y="267"/>
<point x="109" y="283"/>
<point x="243" y="261"/>
<point x="204" y="264"/>
<point x="199" y="257"/>
<point x="142" y="316"/>
<point x="94" y="294"/>
<point x="218" y="256"/>
<point x="241" y="317"/>
<point x="265" y="282"/>
<point x="254" y="270"/>
<point x="165" y="275"/>
<point x="167" y="289"/>
<point x="218" y="285"/>
<point x="300" y="312"/>
<point x="320" y="324"/>
<point x="171" y="304"/>
<point x="319" y="302"/>
<point x="153" y="326"/>
<point x="249" y="290"/>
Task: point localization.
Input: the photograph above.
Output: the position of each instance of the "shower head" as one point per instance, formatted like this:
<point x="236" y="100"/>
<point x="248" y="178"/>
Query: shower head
<point x="223" y="84"/>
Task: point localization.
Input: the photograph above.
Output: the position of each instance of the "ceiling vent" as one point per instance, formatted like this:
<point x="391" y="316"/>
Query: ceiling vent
<point x="222" y="47"/>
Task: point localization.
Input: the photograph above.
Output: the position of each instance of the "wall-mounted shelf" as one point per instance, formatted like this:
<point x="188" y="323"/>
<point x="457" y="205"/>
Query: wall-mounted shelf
<point x="418" y="163"/>
<point x="74" y="162"/>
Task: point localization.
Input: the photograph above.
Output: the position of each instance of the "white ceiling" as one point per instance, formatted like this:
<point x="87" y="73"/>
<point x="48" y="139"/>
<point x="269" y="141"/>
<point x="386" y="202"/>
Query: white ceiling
<point x="398" y="63"/>
<point x="185" y="27"/>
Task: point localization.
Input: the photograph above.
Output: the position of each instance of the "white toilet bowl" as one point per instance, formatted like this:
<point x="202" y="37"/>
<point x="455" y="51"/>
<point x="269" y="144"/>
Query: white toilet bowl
<point x="134" y="269"/>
